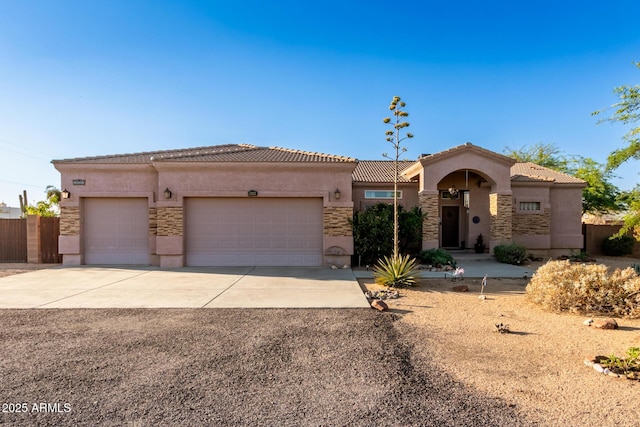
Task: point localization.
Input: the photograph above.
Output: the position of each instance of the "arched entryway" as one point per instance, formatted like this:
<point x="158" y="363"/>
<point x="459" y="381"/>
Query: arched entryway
<point x="464" y="192"/>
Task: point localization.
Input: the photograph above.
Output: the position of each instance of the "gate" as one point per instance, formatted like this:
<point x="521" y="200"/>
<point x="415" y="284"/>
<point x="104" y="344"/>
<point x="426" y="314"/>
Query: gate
<point x="13" y="240"/>
<point x="49" y="232"/>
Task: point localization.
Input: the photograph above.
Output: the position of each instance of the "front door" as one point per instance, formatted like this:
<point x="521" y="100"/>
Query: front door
<point x="450" y="226"/>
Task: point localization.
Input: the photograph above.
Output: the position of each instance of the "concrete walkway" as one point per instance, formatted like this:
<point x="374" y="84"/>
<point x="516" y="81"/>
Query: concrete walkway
<point x="475" y="265"/>
<point x="150" y="287"/>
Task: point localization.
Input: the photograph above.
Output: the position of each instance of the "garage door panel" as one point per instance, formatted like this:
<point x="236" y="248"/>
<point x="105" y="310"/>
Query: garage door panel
<point x="116" y="231"/>
<point x="274" y="231"/>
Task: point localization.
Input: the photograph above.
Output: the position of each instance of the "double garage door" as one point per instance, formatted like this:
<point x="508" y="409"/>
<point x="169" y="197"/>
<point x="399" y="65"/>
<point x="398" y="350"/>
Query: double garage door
<point x="253" y="231"/>
<point x="217" y="231"/>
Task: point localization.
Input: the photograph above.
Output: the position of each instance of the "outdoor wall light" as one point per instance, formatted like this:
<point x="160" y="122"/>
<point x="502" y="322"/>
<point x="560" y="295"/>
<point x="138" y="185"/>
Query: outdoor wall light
<point x="453" y="191"/>
<point x="336" y="194"/>
<point x="167" y="193"/>
<point x="65" y="194"/>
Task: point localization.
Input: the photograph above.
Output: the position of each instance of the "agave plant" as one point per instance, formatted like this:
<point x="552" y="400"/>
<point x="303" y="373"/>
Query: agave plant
<point x="397" y="272"/>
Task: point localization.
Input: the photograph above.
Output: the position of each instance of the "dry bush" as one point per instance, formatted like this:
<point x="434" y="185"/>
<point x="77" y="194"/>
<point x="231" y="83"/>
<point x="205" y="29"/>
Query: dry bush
<point x="586" y="288"/>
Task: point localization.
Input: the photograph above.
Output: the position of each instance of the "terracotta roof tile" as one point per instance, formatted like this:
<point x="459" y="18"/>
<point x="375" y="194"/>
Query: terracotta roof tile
<point x="216" y="153"/>
<point x="379" y="171"/>
<point x="530" y="172"/>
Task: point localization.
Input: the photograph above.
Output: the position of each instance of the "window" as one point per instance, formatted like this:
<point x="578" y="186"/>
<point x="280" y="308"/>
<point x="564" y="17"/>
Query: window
<point x="380" y="194"/>
<point x="529" y="206"/>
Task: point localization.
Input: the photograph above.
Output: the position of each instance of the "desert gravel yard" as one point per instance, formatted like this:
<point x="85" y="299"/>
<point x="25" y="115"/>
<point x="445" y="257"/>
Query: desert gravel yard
<point x="194" y="367"/>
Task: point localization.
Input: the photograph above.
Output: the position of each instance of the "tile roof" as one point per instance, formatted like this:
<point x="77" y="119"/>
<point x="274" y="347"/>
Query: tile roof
<point x="382" y="171"/>
<point x="379" y="171"/>
<point x="216" y="153"/>
<point x="530" y="172"/>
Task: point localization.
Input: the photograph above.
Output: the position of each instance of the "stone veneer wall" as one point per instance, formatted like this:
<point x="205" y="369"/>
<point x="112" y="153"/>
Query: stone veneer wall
<point x="169" y="221"/>
<point x="69" y="221"/>
<point x="336" y="221"/>
<point x="531" y="224"/>
<point x="153" y="221"/>
<point x="429" y="206"/>
<point x="501" y="217"/>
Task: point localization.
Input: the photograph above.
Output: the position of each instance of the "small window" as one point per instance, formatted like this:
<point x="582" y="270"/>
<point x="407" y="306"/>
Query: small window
<point x="381" y="194"/>
<point x="529" y="206"/>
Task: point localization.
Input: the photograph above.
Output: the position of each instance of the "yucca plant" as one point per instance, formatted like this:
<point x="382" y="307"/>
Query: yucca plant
<point x="396" y="272"/>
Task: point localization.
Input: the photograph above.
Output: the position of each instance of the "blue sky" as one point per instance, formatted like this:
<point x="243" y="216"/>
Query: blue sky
<point x="83" y="78"/>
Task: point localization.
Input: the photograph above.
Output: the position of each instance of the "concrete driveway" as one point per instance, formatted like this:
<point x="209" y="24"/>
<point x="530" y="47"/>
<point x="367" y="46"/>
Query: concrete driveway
<point x="210" y="287"/>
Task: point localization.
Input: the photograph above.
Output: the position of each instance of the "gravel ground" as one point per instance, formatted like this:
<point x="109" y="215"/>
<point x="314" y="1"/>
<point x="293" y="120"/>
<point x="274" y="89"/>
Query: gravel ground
<point x="254" y="367"/>
<point x="538" y="366"/>
<point x="433" y="360"/>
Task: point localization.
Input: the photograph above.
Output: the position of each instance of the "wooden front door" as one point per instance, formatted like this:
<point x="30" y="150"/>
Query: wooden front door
<point x="450" y="226"/>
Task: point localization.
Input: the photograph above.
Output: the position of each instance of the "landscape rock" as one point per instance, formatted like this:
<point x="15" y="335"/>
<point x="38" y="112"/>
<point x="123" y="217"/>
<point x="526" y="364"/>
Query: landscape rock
<point x="605" y="324"/>
<point x="461" y="288"/>
<point x="588" y="322"/>
<point x="598" y="367"/>
<point x="380" y="305"/>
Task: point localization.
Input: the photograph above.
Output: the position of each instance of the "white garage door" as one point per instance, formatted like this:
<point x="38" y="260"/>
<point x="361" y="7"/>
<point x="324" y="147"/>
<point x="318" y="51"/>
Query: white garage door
<point x="253" y="231"/>
<point x="116" y="231"/>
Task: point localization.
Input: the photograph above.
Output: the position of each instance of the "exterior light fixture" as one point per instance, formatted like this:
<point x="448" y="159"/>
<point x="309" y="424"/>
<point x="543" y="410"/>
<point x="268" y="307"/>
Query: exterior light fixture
<point x="453" y="191"/>
<point x="65" y="194"/>
<point x="167" y="193"/>
<point x="336" y="194"/>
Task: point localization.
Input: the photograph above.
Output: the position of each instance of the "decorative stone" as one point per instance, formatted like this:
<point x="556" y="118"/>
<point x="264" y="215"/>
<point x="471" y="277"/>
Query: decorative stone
<point x="598" y="367"/>
<point x="461" y="288"/>
<point x="482" y="297"/>
<point x="588" y="322"/>
<point x="588" y="362"/>
<point x="379" y="305"/>
<point x="605" y="324"/>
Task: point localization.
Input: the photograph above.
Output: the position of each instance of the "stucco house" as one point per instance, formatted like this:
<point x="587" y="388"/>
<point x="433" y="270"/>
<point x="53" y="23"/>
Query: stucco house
<point x="240" y="204"/>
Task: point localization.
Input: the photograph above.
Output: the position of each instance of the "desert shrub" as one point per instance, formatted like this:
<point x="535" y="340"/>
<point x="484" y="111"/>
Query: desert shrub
<point x="625" y="365"/>
<point x="437" y="257"/>
<point x="618" y="246"/>
<point x="373" y="232"/>
<point x="510" y="254"/>
<point x="397" y="272"/>
<point x="636" y="268"/>
<point x="585" y="288"/>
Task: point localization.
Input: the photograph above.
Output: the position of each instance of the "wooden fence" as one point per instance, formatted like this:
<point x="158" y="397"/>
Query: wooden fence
<point x="33" y="239"/>
<point x="13" y="240"/>
<point x="594" y="235"/>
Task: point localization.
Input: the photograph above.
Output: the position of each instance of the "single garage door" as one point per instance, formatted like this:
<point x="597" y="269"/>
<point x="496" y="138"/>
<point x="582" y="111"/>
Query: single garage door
<point x="253" y="231"/>
<point x="116" y="231"/>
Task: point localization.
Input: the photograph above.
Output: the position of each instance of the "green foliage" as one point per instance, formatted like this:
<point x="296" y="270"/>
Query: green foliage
<point x="630" y="363"/>
<point x="617" y="246"/>
<point x="397" y="272"/>
<point x="547" y="155"/>
<point x="579" y="256"/>
<point x="48" y="207"/>
<point x="600" y="195"/>
<point x="631" y="200"/>
<point x="373" y="231"/>
<point x="510" y="254"/>
<point x="627" y="111"/>
<point x="437" y="257"/>
<point x="585" y="288"/>
<point x="410" y="229"/>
